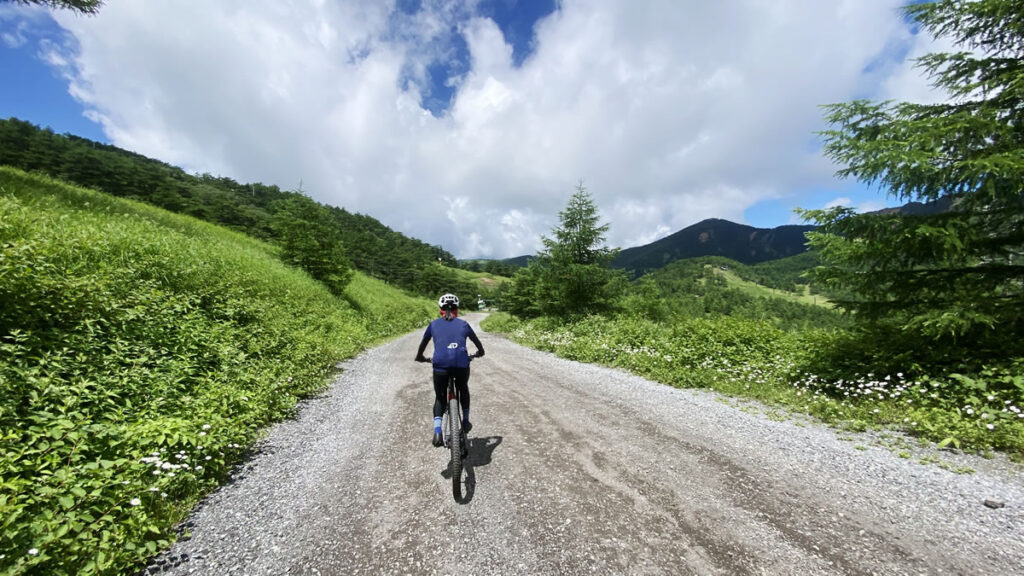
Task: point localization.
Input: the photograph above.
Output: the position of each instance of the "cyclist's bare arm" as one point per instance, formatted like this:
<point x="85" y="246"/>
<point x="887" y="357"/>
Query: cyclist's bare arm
<point x="479" y="346"/>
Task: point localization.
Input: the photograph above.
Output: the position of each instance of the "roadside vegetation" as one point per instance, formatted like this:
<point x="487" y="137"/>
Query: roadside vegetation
<point x="141" y="354"/>
<point x="752" y="359"/>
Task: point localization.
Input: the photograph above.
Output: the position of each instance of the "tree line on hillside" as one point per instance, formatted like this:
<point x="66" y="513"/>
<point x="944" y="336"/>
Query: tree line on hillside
<point x="495" y="267"/>
<point x="326" y="241"/>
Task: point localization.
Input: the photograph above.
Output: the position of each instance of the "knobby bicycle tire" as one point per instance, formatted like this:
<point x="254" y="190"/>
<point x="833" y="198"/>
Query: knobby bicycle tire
<point x="455" y="443"/>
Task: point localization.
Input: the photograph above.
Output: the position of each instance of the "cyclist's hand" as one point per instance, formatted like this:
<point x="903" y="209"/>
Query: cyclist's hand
<point x="421" y="358"/>
<point x="479" y="354"/>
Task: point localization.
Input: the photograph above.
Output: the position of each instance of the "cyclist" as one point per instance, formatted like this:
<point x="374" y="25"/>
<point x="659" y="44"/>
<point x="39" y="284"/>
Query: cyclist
<point x="451" y="359"/>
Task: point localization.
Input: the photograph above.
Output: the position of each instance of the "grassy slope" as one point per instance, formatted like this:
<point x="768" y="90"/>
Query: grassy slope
<point x="757" y="290"/>
<point x="141" y="352"/>
<point x="487" y="282"/>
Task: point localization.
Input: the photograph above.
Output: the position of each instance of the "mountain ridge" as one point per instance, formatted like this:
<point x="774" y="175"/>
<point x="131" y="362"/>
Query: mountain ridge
<point x="716" y="237"/>
<point x="739" y="242"/>
<point x="710" y="237"/>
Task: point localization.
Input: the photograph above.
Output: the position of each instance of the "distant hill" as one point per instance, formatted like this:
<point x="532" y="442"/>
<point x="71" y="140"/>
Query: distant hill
<point x="715" y="237"/>
<point x="712" y="237"/>
<point x="518" y="261"/>
<point x="920" y="209"/>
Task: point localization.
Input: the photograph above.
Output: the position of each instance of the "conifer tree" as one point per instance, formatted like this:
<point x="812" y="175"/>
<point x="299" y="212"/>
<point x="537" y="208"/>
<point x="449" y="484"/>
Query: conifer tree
<point x="957" y="274"/>
<point x="571" y="276"/>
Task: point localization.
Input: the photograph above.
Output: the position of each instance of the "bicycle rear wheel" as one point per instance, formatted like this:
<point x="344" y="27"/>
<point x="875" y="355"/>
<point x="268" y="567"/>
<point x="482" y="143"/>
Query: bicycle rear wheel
<point x="455" y="444"/>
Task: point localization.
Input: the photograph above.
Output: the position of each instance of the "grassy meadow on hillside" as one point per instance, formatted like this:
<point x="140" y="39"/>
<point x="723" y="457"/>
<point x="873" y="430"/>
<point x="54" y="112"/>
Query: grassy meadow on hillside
<point x="141" y="353"/>
<point x="804" y="296"/>
<point x="714" y="286"/>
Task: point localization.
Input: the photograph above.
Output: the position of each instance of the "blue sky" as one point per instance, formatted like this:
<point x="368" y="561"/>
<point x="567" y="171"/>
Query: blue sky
<point x="35" y="91"/>
<point x="468" y="123"/>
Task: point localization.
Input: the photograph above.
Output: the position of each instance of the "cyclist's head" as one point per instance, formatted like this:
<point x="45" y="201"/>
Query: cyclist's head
<point x="449" y="305"/>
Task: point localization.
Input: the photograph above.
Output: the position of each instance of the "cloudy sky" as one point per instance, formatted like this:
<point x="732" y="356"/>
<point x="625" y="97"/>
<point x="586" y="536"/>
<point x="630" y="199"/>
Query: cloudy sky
<point x="468" y="123"/>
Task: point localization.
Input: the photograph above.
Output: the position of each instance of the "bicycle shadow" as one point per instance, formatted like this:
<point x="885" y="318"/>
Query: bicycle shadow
<point x="481" y="451"/>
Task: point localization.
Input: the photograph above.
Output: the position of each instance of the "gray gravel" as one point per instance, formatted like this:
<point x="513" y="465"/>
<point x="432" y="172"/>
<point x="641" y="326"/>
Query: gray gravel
<point x="578" y="469"/>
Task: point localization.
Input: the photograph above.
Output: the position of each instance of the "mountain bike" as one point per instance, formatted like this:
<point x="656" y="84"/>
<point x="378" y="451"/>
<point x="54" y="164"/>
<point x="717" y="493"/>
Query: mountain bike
<point x="454" y="436"/>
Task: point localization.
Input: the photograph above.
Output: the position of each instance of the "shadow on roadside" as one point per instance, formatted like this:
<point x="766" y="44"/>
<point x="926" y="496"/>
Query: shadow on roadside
<point x="481" y="450"/>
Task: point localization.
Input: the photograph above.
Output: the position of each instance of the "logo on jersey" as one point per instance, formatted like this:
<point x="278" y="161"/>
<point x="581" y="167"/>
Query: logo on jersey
<point x="453" y="346"/>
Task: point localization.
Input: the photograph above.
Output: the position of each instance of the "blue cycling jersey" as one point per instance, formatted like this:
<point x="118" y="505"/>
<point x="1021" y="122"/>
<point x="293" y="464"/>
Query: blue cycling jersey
<point x="450" y="342"/>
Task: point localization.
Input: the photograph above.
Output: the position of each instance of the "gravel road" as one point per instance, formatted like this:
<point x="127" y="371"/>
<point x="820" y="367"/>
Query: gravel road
<point x="578" y="469"/>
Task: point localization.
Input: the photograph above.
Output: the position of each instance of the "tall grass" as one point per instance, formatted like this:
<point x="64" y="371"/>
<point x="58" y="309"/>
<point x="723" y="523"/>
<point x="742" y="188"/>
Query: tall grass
<point x="141" y="352"/>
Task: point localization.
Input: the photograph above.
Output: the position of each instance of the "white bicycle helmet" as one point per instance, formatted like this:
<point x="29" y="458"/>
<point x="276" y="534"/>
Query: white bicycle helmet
<point x="448" y="301"/>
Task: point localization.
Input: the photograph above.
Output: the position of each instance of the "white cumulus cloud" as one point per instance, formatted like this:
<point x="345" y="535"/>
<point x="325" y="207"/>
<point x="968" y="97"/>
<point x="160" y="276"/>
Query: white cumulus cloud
<point x="670" y="111"/>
